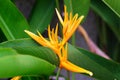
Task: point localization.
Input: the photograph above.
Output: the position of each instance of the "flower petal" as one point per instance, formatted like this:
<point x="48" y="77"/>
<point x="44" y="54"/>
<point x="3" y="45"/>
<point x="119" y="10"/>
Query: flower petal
<point x="16" y="78"/>
<point x="59" y="16"/>
<point x="71" y="67"/>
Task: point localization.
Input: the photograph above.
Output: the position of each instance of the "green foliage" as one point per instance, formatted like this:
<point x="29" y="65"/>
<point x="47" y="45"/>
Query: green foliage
<point x="79" y="6"/>
<point x="12" y="21"/>
<point x="29" y="47"/>
<point x="41" y="15"/>
<point x="13" y="64"/>
<point x="107" y="15"/>
<point x="114" y="5"/>
<point x="109" y="26"/>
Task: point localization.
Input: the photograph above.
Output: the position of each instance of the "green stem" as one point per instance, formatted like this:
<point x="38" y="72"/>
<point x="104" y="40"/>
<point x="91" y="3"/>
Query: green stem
<point x="29" y="78"/>
<point x="73" y="43"/>
<point x="116" y="52"/>
<point x="104" y="33"/>
<point x="68" y="74"/>
<point x="73" y="39"/>
<point x="73" y="76"/>
<point x="37" y="78"/>
<point x="58" y="73"/>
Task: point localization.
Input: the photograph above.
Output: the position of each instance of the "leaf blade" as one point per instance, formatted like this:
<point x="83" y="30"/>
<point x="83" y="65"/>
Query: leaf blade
<point x="107" y="15"/>
<point x="113" y="5"/>
<point x="24" y="65"/>
<point x="12" y="24"/>
<point x="29" y="47"/>
<point x="79" y="6"/>
<point x="41" y="15"/>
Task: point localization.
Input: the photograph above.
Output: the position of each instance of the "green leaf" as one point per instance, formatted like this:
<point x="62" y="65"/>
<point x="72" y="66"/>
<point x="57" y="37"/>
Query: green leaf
<point x="13" y="64"/>
<point x="24" y="65"/>
<point x="12" y="21"/>
<point x="2" y="36"/>
<point x="29" y="47"/>
<point x="79" y="6"/>
<point x="102" y="69"/>
<point x="107" y="15"/>
<point x="41" y="15"/>
<point x="7" y="52"/>
<point x="113" y="5"/>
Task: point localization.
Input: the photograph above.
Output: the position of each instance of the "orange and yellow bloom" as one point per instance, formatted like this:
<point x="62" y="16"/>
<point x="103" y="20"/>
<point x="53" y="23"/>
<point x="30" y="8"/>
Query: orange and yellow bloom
<point x="69" y="24"/>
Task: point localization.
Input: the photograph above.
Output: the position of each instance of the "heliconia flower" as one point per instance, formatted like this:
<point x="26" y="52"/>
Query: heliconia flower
<point x="70" y="23"/>
<point x="59" y="50"/>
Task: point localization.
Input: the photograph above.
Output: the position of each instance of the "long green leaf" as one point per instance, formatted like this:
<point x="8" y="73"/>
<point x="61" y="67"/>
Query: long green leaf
<point x="102" y="69"/>
<point x="107" y="15"/>
<point x="110" y="65"/>
<point x="41" y="15"/>
<point x="28" y="46"/>
<point x="7" y="52"/>
<point x="12" y="21"/>
<point x="113" y="5"/>
<point x="79" y="6"/>
<point x="24" y="65"/>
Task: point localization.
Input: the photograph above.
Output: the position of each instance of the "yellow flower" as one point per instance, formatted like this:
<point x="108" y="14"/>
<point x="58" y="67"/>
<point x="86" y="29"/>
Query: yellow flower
<point x="70" y="24"/>
<point x="55" y="45"/>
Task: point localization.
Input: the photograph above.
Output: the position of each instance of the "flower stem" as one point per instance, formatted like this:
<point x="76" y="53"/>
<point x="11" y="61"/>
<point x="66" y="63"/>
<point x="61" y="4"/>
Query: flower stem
<point x="58" y="73"/>
<point x="68" y="74"/>
<point x="73" y="39"/>
<point x="73" y="76"/>
<point x="73" y="43"/>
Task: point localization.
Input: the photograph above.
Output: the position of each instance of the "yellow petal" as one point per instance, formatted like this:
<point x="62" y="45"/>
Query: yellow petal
<point x="65" y="16"/>
<point x="59" y="16"/>
<point x="16" y="78"/>
<point x="70" y="16"/>
<point x="56" y="33"/>
<point x="35" y="37"/>
<point x="71" y="67"/>
<point x="53" y="35"/>
<point x="38" y="39"/>
<point x="74" y="26"/>
<point x="64" y="51"/>
<point x="49" y="34"/>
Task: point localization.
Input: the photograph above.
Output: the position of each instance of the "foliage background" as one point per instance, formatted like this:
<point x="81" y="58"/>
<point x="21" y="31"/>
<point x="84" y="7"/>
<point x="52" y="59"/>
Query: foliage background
<point x="100" y="27"/>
